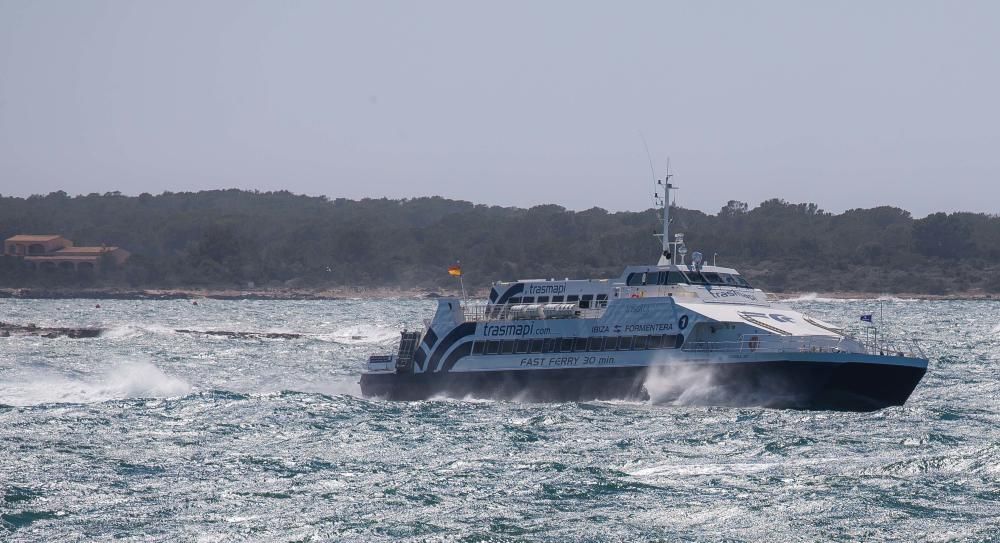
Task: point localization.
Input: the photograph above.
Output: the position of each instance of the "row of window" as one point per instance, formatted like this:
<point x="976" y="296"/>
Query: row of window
<point x="688" y="277"/>
<point x="577" y="344"/>
<point x="585" y="300"/>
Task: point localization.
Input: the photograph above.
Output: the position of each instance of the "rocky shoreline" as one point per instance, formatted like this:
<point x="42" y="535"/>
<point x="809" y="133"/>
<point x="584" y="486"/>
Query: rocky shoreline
<point x="383" y="293"/>
<point x="217" y="294"/>
<point x="9" y="329"/>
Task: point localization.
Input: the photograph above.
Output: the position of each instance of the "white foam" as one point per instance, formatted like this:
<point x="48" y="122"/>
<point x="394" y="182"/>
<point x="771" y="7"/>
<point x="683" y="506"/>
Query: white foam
<point x="996" y="329"/>
<point x="362" y="334"/>
<point x="126" y="380"/>
<point x="814" y="297"/>
<point x="127" y="331"/>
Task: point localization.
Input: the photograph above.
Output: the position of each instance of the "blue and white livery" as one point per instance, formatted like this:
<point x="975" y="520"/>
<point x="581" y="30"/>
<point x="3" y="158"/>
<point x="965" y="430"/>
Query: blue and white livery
<point x="578" y="340"/>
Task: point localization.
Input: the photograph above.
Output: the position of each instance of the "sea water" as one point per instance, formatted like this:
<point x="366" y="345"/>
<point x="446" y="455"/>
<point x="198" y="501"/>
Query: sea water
<point x="148" y="434"/>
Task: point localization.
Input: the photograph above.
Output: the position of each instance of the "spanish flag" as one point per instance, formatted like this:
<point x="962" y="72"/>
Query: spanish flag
<point x="455" y="270"/>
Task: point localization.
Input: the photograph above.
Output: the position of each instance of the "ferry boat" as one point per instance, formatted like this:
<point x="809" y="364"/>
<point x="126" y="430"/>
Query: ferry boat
<point x="658" y="330"/>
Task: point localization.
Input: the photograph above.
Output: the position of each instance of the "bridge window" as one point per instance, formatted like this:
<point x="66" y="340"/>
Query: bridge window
<point x="636" y="279"/>
<point x="695" y="278"/>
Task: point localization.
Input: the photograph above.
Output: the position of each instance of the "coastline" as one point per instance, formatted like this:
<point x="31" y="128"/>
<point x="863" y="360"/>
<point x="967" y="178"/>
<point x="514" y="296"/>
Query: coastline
<point x="344" y="293"/>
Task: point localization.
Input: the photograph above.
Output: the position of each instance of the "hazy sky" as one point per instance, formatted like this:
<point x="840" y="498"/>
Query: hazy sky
<point x="846" y="104"/>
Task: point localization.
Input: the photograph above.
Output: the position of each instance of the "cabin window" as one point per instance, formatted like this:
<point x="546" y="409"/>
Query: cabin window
<point x="695" y="278"/>
<point x="585" y="301"/>
<point x="549" y="345"/>
<point x="572" y="298"/>
<point x="676" y="278"/>
<point x="536" y="346"/>
<point x="521" y="346"/>
<point x="492" y="347"/>
<point x="595" y="344"/>
<point x="580" y="344"/>
<point x="566" y="345"/>
<point x="507" y="347"/>
<point x="653" y="342"/>
<point x="602" y="297"/>
<point x="671" y="342"/>
<point x="543" y="299"/>
<point x="639" y="343"/>
<point x="741" y="281"/>
<point x="611" y="343"/>
<point x="557" y="299"/>
<point x="625" y="343"/>
<point x="528" y="300"/>
<point x="713" y="278"/>
<point x="514" y="300"/>
<point x="478" y="347"/>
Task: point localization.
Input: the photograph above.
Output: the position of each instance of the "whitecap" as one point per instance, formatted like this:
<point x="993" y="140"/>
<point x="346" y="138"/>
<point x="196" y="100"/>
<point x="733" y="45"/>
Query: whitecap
<point x="125" y="380"/>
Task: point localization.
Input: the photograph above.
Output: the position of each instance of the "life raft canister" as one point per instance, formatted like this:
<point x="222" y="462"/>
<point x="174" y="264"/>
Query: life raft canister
<point x="754" y="343"/>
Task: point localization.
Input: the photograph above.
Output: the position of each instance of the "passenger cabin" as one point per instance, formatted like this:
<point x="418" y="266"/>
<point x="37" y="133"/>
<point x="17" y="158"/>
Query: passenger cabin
<point x="636" y="282"/>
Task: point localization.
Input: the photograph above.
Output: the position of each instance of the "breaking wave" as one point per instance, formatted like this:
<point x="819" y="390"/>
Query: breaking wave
<point x="126" y="380"/>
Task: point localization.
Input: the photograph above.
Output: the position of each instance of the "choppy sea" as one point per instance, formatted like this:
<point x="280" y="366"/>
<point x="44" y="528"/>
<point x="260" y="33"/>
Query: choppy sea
<point x="147" y="434"/>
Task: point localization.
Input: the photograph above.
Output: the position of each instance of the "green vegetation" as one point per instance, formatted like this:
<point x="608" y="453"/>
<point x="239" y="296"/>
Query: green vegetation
<point x="232" y="237"/>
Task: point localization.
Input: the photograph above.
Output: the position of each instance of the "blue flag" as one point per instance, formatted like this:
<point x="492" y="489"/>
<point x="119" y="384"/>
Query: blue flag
<point x="866" y="318"/>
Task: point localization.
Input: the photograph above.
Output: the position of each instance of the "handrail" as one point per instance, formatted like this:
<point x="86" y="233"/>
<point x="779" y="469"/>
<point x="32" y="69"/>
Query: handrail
<point x="485" y="312"/>
<point x="767" y="343"/>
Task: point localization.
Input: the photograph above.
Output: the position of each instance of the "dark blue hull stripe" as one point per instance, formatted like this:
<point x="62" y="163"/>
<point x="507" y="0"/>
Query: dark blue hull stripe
<point x="460" y="331"/>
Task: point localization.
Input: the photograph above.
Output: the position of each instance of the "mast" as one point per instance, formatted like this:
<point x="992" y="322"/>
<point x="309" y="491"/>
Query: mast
<point x="666" y="256"/>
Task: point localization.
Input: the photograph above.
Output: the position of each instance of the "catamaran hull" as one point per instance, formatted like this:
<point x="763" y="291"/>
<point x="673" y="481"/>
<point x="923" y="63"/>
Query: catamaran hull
<point x="848" y="386"/>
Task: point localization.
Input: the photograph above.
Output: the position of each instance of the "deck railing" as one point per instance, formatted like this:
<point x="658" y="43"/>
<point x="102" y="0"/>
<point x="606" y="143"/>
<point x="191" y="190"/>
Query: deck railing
<point x="766" y="343"/>
<point x="482" y="312"/>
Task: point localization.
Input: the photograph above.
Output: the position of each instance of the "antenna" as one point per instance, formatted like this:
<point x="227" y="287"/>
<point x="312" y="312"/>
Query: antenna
<point x="665" y="202"/>
<point x="652" y="171"/>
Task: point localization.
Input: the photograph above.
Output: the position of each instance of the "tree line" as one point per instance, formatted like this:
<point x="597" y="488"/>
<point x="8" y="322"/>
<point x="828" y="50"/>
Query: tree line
<point x="227" y="238"/>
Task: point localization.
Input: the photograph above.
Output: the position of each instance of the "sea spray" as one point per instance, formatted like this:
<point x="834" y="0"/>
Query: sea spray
<point x="136" y="379"/>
